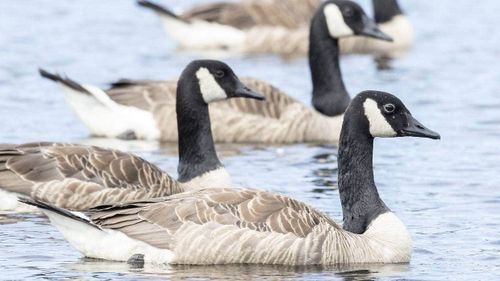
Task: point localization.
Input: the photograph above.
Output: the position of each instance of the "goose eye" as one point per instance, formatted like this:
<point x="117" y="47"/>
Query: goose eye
<point x="389" y="108"/>
<point x="219" y="73"/>
<point x="348" y="12"/>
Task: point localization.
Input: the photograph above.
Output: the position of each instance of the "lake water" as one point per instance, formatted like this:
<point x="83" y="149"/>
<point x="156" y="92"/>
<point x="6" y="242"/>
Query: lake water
<point x="447" y="192"/>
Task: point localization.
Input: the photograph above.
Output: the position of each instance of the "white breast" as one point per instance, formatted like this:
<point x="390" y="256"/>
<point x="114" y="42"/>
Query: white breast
<point x="389" y="239"/>
<point x="216" y="178"/>
<point x="400" y="29"/>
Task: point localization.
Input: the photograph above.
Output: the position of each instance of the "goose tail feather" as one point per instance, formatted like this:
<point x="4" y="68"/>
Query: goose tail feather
<point x="195" y="33"/>
<point x="46" y="207"/>
<point x="160" y="9"/>
<point x="63" y="80"/>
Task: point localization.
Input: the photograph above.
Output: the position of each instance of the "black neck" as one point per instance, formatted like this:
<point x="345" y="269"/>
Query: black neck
<point x="330" y="96"/>
<point x="359" y="197"/>
<point x="385" y="10"/>
<point x="196" y="145"/>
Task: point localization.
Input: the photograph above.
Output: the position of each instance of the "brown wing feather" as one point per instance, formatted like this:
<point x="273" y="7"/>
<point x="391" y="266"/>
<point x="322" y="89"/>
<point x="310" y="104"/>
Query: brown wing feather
<point x="251" y="13"/>
<point x="143" y="94"/>
<point x="147" y="95"/>
<point x="276" y="100"/>
<point x="226" y="13"/>
<point x="35" y="168"/>
<point x="9" y="180"/>
<point x="156" y="222"/>
<point x="286" y="13"/>
<point x="272" y="118"/>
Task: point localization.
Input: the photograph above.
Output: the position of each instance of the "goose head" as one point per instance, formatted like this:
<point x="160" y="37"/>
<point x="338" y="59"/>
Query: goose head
<point x="346" y="18"/>
<point x="203" y="82"/>
<point x="370" y="114"/>
<point x="384" y="115"/>
<point x="215" y="81"/>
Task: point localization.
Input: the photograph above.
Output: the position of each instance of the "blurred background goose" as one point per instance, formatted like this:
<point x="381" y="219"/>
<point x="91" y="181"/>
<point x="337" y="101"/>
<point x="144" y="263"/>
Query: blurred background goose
<point x="233" y="225"/>
<point x="143" y="109"/>
<point x="276" y="26"/>
<point x="78" y="177"/>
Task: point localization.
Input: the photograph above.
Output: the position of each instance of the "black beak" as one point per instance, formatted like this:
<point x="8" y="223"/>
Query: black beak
<point x="371" y="29"/>
<point x="416" y="129"/>
<point x="245" y="92"/>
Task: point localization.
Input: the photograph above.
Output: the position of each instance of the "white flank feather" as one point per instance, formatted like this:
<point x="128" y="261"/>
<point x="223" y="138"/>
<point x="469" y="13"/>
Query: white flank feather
<point x="198" y="34"/>
<point x="106" y="118"/>
<point x="105" y="244"/>
<point x="400" y="29"/>
<point x="9" y="202"/>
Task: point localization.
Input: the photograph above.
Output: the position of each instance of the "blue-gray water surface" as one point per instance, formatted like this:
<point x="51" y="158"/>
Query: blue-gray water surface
<point x="447" y="192"/>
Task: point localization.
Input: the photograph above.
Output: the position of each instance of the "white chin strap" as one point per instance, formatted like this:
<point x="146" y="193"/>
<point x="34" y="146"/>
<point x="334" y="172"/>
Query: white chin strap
<point x="209" y="88"/>
<point x="379" y="127"/>
<point x="335" y="22"/>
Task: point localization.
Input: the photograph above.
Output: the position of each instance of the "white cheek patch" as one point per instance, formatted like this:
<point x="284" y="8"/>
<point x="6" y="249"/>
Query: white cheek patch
<point x="335" y="22"/>
<point x="379" y="127"/>
<point x="210" y="89"/>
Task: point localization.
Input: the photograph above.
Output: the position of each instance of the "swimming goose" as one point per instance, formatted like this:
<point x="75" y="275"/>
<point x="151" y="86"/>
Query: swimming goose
<point x="78" y="177"/>
<point x="240" y="225"/>
<point x="276" y="26"/>
<point x="143" y="109"/>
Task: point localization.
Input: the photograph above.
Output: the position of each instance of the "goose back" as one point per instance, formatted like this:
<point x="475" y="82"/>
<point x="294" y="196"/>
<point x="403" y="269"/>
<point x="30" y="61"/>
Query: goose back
<point x="252" y="223"/>
<point x="78" y="177"/>
<point x="227" y="13"/>
<point x="250" y="13"/>
<point x="147" y="94"/>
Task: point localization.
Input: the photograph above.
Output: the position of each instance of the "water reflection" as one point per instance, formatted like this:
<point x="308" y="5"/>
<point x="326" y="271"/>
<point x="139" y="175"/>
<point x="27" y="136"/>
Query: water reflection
<point x="241" y="272"/>
<point x="325" y="172"/>
<point x="7" y="218"/>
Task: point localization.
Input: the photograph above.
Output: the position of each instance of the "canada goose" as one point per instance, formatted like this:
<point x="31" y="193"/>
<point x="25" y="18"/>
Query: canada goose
<point x="239" y="225"/>
<point x="77" y="176"/>
<point x="281" y="119"/>
<point x="276" y="26"/>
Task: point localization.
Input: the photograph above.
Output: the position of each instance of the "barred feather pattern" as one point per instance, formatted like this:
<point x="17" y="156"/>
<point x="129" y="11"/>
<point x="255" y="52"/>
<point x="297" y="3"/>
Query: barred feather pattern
<point x="227" y="13"/>
<point x="250" y="13"/>
<point x="278" y="119"/>
<point x="285" y="13"/>
<point x="78" y="177"/>
<point x="280" y="40"/>
<point x="227" y="226"/>
<point x="79" y="195"/>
